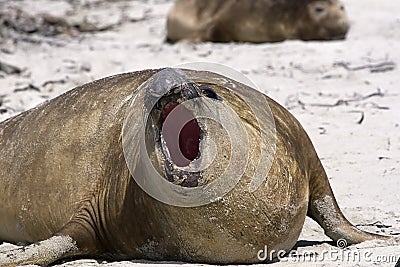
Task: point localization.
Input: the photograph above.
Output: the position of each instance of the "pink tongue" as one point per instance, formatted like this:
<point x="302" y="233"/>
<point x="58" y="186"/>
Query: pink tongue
<point x="168" y="110"/>
<point x="189" y="136"/>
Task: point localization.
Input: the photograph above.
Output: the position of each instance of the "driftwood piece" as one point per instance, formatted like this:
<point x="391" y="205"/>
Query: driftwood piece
<point x="373" y="67"/>
<point x="9" y="69"/>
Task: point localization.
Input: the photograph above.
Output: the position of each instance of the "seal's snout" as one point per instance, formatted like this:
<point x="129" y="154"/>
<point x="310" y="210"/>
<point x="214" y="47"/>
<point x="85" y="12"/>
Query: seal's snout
<point x="344" y="26"/>
<point x="174" y="102"/>
<point x="189" y="91"/>
<point x="338" y="25"/>
<point x="339" y="31"/>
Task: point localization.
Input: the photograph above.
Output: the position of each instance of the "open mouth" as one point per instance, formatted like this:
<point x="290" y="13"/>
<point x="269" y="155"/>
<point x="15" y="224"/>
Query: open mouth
<point x="181" y="134"/>
<point x="178" y="136"/>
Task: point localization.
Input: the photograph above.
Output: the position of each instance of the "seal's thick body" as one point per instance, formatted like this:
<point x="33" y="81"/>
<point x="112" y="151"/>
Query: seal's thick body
<point x="257" y="20"/>
<point x="63" y="173"/>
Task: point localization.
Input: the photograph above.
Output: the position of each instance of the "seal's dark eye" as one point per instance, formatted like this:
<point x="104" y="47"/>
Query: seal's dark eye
<point x="207" y="91"/>
<point x="341" y="7"/>
<point x="319" y="9"/>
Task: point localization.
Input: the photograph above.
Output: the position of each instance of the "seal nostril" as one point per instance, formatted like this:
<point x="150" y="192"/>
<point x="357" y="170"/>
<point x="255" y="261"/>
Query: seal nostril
<point x="188" y="91"/>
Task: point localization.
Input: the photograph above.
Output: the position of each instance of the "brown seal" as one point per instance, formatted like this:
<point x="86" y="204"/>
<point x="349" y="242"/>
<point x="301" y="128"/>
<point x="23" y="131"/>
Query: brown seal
<point x="257" y="20"/>
<point x="65" y="185"/>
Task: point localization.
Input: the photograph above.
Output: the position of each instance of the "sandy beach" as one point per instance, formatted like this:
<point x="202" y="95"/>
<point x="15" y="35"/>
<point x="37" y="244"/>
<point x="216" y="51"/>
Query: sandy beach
<point x="346" y="94"/>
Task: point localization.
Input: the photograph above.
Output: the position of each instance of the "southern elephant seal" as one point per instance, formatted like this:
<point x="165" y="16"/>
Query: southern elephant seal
<point x="256" y="21"/>
<point x="66" y="182"/>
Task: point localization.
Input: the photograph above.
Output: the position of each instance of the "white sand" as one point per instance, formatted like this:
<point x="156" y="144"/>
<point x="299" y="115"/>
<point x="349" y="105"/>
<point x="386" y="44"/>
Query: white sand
<point x="308" y="78"/>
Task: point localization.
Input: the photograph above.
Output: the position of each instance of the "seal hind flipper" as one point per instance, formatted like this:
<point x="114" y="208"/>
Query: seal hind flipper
<point x="324" y="209"/>
<point x="41" y="253"/>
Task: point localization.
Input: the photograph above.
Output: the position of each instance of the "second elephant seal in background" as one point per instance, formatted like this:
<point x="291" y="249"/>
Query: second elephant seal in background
<point x="256" y="21"/>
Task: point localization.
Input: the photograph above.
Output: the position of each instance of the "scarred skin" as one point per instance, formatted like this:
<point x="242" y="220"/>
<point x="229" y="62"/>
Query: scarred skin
<point x="256" y="21"/>
<point x="63" y="173"/>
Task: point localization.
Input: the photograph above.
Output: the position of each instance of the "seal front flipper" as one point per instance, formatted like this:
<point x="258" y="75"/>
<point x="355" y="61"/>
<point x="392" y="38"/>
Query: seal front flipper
<point x="74" y="239"/>
<point x="41" y="253"/>
<point x="324" y="209"/>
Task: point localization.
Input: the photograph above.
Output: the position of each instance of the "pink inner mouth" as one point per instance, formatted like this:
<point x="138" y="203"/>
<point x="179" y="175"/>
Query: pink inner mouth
<point x="184" y="149"/>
